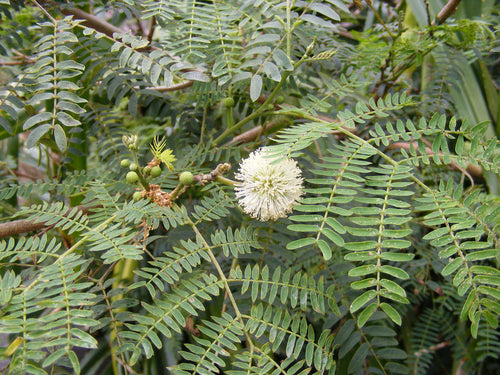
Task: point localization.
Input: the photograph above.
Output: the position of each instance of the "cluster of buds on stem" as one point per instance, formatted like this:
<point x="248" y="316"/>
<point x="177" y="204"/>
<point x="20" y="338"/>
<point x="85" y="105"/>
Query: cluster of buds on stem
<point x="130" y="141"/>
<point x="204" y="179"/>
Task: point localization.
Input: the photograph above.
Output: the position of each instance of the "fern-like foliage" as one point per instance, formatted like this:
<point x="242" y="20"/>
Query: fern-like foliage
<point x="50" y="338"/>
<point x="52" y="84"/>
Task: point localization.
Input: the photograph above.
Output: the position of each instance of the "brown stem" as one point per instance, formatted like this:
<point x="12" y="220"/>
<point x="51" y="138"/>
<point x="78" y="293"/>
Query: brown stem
<point x="151" y="29"/>
<point x="15" y="227"/>
<point x="447" y="11"/>
<point x="16" y="62"/>
<point x="432" y="348"/>
<point x="254" y="133"/>
<point x="471" y="170"/>
<point x="92" y="21"/>
<point x="19" y="226"/>
<point x="179" y="86"/>
<point x="204" y="179"/>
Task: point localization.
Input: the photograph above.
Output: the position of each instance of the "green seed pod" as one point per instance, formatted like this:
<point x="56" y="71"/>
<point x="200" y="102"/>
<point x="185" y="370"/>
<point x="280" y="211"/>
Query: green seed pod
<point x="133" y="167"/>
<point x="125" y="163"/>
<point x="137" y="196"/>
<point x="228" y="102"/>
<point x="132" y="177"/>
<point x="155" y="171"/>
<point x="186" y="178"/>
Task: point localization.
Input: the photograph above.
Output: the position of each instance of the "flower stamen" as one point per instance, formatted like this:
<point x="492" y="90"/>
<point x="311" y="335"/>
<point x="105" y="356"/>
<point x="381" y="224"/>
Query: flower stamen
<point x="268" y="190"/>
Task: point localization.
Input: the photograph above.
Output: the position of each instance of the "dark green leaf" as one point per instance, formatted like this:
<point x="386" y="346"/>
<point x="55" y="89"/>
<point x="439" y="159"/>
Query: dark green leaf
<point x="362" y="300"/>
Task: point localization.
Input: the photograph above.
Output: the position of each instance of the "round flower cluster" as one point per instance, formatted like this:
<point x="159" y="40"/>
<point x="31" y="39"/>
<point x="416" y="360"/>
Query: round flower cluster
<point x="268" y="190"/>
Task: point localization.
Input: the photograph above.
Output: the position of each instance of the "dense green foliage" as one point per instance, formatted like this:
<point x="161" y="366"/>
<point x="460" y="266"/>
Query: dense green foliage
<point x="388" y="265"/>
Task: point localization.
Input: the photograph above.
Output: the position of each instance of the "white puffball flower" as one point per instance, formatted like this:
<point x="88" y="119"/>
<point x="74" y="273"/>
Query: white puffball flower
<point x="268" y="190"/>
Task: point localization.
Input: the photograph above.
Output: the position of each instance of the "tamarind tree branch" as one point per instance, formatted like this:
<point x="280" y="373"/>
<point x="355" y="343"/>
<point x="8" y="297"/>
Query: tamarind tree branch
<point x="254" y="133"/>
<point x="19" y="226"/>
<point x="92" y="21"/>
<point x="447" y="11"/>
<point x="15" y="227"/>
<point x="108" y="29"/>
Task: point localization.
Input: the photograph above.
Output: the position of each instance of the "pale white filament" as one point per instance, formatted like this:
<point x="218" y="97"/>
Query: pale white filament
<point x="268" y="190"/>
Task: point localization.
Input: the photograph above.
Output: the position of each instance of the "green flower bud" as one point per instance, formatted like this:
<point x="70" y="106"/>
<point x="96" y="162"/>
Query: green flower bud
<point x="228" y="102"/>
<point x="137" y="196"/>
<point x="130" y="141"/>
<point x="155" y="171"/>
<point x="186" y="178"/>
<point x="125" y="163"/>
<point x="133" y="167"/>
<point x="132" y="177"/>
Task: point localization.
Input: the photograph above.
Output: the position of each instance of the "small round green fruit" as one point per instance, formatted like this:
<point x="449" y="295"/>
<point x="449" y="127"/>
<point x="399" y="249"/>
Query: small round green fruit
<point x="133" y="167"/>
<point x="132" y="177"/>
<point x="137" y="196"/>
<point x="186" y="178"/>
<point x="125" y="163"/>
<point x="228" y="102"/>
<point x="146" y="170"/>
<point x="155" y="171"/>
<point x="279" y="99"/>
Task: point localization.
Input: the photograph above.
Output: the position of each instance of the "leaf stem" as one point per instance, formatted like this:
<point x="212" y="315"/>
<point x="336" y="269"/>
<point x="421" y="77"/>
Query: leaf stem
<point x="288" y="30"/>
<point x="217" y="266"/>
<point x="229" y="117"/>
<point x="226" y="181"/>
<point x="142" y="180"/>
<point x="369" y="2"/>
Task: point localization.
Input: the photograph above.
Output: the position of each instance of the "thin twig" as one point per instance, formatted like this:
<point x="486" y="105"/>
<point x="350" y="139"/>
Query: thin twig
<point x="252" y="134"/>
<point x="17" y="61"/>
<point x="432" y="348"/>
<point x="179" y="86"/>
<point x="52" y="19"/>
<point x="369" y="2"/>
<point x="469" y="172"/>
<point x="203" y="124"/>
<point x="151" y="29"/>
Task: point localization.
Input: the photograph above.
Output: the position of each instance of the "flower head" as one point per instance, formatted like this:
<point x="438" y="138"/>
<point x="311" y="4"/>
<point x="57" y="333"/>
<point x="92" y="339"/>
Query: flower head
<point x="130" y="141"/>
<point x="268" y="190"/>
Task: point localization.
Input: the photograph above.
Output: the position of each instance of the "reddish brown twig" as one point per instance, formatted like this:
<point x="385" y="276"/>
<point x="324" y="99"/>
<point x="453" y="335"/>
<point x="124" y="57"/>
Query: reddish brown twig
<point x="15" y="227"/>
<point x="432" y="348"/>
<point x="92" y="21"/>
<point x="470" y="171"/>
<point x="447" y="11"/>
